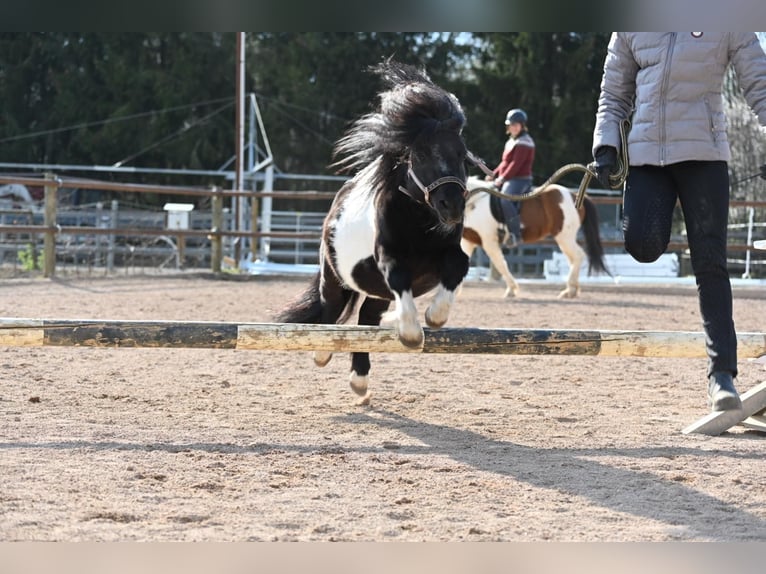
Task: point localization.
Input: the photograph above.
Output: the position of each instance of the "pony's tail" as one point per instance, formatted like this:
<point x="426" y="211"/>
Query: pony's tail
<point x="306" y="308"/>
<point x="593" y="246"/>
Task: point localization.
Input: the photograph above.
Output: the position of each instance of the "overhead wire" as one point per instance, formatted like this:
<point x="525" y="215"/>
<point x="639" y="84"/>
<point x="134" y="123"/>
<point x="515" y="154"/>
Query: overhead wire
<point x="277" y="106"/>
<point x="179" y="132"/>
<point x="112" y="120"/>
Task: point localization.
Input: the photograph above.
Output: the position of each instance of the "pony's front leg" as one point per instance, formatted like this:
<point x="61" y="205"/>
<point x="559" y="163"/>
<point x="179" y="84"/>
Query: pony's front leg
<point x="454" y="270"/>
<point x="405" y="318"/>
<point x="438" y="311"/>
<point x="495" y="254"/>
<point x="405" y="314"/>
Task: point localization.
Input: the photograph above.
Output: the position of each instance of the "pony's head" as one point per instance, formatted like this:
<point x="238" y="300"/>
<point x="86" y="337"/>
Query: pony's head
<point x="415" y="135"/>
<point x="436" y="174"/>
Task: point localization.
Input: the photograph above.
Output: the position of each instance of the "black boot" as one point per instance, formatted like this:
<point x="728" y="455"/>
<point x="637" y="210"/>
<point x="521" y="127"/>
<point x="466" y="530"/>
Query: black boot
<point x="721" y="394"/>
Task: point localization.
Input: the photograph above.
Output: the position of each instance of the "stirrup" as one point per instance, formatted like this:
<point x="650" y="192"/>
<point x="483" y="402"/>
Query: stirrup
<point x="510" y="240"/>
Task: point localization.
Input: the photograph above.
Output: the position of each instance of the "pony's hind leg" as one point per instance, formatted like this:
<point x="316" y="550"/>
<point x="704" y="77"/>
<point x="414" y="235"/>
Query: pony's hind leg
<point x="334" y="299"/>
<point x="566" y="239"/>
<point x="370" y="313"/>
<point x="575" y="254"/>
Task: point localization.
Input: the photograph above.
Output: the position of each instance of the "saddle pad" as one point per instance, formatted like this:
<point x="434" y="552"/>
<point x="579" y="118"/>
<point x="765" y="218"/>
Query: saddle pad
<point x="496" y="208"/>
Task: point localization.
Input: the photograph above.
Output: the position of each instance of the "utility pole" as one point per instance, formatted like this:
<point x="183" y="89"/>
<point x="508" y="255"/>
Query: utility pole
<point x="239" y="203"/>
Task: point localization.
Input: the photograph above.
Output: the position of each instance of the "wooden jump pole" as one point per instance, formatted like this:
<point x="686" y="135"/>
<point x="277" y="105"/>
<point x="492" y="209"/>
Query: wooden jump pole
<point x="351" y="338"/>
<point x="16" y="332"/>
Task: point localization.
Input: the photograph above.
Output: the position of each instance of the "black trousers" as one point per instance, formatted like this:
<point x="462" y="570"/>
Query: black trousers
<point x="702" y="188"/>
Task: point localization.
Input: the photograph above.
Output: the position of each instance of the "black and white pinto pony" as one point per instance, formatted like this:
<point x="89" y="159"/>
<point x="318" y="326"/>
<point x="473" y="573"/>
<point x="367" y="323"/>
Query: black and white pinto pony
<point x="393" y="231"/>
<point x="548" y="213"/>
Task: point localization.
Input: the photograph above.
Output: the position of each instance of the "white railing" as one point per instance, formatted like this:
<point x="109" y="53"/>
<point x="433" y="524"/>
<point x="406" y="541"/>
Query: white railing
<point x="750" y="225"/>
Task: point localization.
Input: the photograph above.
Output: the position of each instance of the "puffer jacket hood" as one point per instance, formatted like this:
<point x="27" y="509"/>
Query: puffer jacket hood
<point x="669" y="84"/>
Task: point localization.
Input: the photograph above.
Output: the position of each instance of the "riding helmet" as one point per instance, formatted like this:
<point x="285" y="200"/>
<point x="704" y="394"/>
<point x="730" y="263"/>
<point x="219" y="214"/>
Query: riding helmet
<point x="516" y="115"/>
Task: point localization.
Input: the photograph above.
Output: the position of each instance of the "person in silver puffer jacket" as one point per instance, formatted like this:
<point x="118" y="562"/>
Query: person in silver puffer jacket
<point x="669" y="85"/>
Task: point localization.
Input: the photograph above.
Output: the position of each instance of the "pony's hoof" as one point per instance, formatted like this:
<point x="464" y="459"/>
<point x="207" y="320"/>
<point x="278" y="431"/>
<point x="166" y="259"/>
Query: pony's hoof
<point x="438" y="311"/>
<point x="568" y="293"/>
<point x="358" y="384"/>
<point x="432" y="323"/>
<point x="510" y="293"/>
<point x="364" y="401"/>
<point x="321" y="358"/>
<point x="413" y="340"/>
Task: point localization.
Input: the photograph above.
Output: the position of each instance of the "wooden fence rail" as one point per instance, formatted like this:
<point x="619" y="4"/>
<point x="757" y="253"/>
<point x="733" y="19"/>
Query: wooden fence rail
<point x="52" y="183"/>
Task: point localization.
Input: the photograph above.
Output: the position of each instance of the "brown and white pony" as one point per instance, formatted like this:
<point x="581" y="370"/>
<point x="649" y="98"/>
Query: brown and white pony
<point x="551" y="213"/>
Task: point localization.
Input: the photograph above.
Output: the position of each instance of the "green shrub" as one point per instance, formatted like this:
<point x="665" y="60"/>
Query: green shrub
<point x="28" y="260"/>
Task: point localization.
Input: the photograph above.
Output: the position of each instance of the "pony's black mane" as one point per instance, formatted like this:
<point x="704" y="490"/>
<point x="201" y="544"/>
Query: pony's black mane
<point x="413" y="108"/>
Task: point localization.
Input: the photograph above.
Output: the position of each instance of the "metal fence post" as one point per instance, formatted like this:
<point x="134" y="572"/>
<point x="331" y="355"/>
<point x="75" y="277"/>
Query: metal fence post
<point x="112" y="238"/>
<point x="254" y="214"/>
<point x="751" y="215"/>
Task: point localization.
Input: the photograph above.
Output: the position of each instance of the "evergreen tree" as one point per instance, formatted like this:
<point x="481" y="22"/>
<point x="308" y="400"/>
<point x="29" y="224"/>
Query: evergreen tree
<point x="311" y="86"/>
<point x="554" y="77"/>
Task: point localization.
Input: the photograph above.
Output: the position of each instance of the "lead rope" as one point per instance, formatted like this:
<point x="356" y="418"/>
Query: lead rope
<point x="616" y="180"/>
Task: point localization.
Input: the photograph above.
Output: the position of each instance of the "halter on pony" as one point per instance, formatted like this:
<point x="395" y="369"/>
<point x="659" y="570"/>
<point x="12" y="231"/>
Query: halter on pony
<point x="429" y="188"/>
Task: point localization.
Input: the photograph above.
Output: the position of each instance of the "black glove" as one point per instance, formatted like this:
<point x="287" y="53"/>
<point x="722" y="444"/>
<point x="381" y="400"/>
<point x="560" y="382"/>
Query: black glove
<point x="605" y="164"/>
<point x="763" y="171"/>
